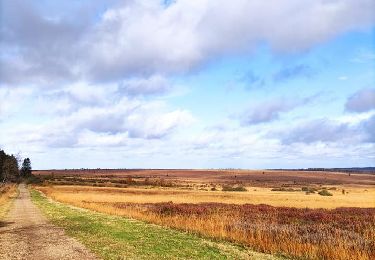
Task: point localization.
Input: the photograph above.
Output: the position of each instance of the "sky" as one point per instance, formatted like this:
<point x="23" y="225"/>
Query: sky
<point x="188" y="83"/>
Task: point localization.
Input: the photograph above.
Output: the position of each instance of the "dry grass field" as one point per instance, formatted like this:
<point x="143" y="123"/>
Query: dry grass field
<point x="287" y="213"/>
<point x="7" y="192"/>
<point x="344" y="233"/>
<point x="354" y="196"/>
<point x="250" y="177"/>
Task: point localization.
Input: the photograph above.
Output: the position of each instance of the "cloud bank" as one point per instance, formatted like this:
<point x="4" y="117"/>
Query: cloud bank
<point x="146" y="37"/>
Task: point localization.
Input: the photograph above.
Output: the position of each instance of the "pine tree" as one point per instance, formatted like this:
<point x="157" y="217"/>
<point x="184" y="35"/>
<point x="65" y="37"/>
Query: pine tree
<point x="3" y="156"/>
<point x="26" y="168"/>
<point x="10" y="170"/>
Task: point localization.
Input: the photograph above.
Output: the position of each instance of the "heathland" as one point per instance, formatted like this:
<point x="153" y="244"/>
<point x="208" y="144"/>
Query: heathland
<point x="113" y="237"/>
<point x="298" y="214"/>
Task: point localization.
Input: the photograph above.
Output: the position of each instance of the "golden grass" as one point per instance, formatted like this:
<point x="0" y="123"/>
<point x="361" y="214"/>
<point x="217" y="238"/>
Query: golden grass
<point x="262" y="178"/>
<point x="7" y="193"/>
<point x="265" y="232"/>
<point x="353" y="197"/>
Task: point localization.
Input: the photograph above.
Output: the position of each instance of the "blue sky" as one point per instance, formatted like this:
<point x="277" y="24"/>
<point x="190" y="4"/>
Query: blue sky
<point x="188" y="84"/>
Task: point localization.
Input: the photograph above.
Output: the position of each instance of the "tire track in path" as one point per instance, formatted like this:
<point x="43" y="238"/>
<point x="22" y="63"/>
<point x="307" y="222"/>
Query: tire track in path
<point x="26" y="234"/>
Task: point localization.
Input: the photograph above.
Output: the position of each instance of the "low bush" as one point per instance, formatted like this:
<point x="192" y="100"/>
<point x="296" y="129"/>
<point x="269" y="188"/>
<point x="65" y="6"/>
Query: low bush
<point x="32" y="179"/>
<point x="325" y="193"/>
<point x="309" y="190"/>
<point x="233" y="188"/>
<point x="283" y="189"/>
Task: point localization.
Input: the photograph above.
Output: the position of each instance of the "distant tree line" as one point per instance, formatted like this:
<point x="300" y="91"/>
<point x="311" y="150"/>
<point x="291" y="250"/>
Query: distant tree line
<point x="10" y="170"/>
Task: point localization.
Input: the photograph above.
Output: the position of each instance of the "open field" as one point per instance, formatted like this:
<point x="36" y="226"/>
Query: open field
<point x="230" y="205"/>
<point x="353" y="196"/>
<point x="303" y="233"/>
<point x="304" y="215"/>
<point x="113" y="237"/>
<point x="259" y="178"/>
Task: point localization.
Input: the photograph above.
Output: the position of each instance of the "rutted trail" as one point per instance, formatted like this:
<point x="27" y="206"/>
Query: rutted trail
<point x="26" y="234"/>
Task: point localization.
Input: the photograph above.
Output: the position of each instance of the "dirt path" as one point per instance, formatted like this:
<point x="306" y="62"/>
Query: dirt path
<point x="26" y="234"/>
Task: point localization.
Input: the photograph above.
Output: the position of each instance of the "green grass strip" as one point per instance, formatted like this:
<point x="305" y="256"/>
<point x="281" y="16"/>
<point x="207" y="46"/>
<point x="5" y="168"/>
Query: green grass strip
<point x="113" y="237"/>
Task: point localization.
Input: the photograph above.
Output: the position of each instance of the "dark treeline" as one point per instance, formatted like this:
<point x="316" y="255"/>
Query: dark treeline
<point x="10" y="171"/>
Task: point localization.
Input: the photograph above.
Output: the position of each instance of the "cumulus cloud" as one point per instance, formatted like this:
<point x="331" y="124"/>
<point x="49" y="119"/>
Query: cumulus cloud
<point x="267" y="112"/>
<point x="186" y="33"/>
<point x="271" y="110"/>
<point x="330" y="131"/>
<point x="37" y="48"/>
<point x="361" y="101"/>
<point x="97" y="70"/>
<point x="130" y="118"/>
<point x="368" y="127"/>
<point x="148" y="37"/>
<point x="10" y="100"/>
<point x="320" y="130"/>
<point x="153" y="85"/>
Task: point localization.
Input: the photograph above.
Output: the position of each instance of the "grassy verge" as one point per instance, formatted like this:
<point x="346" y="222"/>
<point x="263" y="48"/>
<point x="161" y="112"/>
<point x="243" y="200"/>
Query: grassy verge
<point x="113" y="237"/>
<point x="7" y="194"/>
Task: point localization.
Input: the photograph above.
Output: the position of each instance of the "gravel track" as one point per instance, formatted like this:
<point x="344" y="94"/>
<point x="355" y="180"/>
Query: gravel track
<point x="26" y="234"/>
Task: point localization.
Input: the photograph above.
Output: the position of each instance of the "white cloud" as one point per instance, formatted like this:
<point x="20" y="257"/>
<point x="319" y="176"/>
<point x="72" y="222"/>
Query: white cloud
<point x="111" y="124"/>
<point x="343" y="77"/>
<point x="155" y="84"/>
<point x="185" y="33"/>
<point x="138" y="38"/>
<point x="96" y="81"/>
<point x="11" y="100"/>
<point x="270" y="110"/>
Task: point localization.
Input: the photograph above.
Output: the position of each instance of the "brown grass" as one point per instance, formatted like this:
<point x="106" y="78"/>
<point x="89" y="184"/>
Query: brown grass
<point x="354" y="196"/>
<point x="343" y="233"/>
<point x="7" y="192"/>
<point x="260" y="178"/>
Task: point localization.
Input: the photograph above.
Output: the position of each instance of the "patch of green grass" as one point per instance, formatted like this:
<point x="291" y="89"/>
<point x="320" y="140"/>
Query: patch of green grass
<point x="231" y="188"/>
<point x="284" y="189"/>
<point x="113" y="237"/>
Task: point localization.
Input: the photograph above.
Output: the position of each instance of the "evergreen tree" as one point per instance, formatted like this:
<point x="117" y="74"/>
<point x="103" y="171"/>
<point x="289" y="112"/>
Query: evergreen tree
<point x="10" y="170"/>
<point x="26" y="168"/>
<point x="2" y="160"/>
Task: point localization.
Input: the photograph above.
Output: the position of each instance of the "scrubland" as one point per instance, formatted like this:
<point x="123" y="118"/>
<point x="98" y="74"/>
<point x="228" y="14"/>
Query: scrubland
<point x="314" y="233"/>
<point x="114" y="237"/>
<point x="298" y="215"/>
<point x="353" y="196"/>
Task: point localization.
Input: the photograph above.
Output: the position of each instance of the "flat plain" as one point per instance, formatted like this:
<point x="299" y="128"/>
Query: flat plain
<point x="297" y="214"/>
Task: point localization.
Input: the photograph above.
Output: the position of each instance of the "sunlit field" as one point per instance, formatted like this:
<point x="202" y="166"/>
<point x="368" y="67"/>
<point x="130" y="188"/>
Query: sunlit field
<point x="342" y="196"/>
<point x="291" y="215"/>
<point x="7" y="192"/>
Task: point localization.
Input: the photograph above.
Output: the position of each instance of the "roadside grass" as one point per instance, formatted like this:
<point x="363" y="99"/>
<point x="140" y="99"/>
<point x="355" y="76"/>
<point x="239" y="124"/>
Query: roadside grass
<point x="7" y="195"/>
<point x="113" y="237"/>
<point x="298" y="233"/>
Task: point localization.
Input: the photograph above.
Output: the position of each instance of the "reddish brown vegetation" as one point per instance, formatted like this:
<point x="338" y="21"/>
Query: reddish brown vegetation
<point x="342" y="233"/>
<point x="248" y="177"/>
